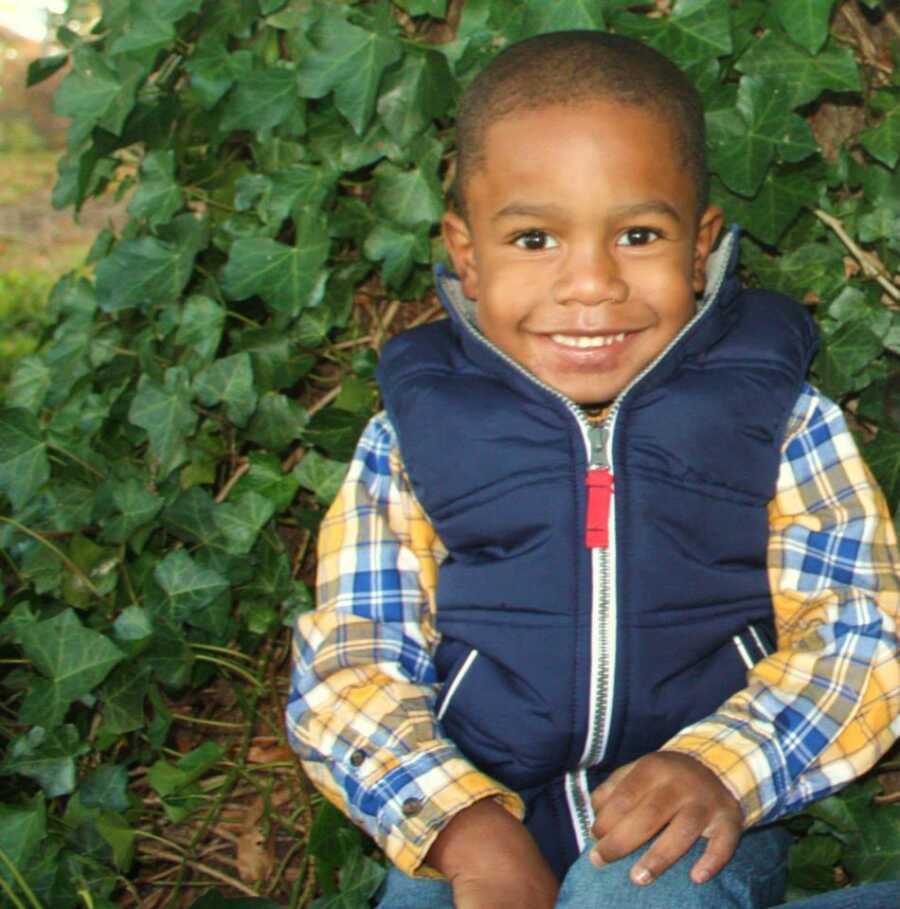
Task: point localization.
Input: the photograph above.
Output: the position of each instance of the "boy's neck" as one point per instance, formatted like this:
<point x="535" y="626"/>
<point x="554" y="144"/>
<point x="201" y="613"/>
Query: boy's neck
<point x="596" y="411"/>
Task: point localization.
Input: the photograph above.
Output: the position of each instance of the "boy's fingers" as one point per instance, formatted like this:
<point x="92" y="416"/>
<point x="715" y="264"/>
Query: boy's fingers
<point x="627" y="831"/>
<point x="723" y="840"/>
<point x="613" y="799"/>
<point x="678" y="838"/>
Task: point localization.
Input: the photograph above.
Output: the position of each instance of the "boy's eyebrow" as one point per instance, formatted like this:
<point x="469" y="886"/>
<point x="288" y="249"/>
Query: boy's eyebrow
<point x="550" y="210"/>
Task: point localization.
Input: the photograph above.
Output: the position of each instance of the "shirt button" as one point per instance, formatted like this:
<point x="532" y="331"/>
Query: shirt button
<point x="357" y="758"/>
<point x="411" y="807"/>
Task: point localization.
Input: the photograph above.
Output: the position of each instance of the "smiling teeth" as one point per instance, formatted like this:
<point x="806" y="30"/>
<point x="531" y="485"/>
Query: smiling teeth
<point x="587" y="341"/>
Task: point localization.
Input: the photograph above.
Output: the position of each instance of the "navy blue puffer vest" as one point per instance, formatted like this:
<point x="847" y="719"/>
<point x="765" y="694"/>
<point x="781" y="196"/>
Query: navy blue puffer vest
<point x="560" y="662"/>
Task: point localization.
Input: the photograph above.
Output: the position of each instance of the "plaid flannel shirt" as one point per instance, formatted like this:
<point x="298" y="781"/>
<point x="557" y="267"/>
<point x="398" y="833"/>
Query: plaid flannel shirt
<point x="814" y="715"/>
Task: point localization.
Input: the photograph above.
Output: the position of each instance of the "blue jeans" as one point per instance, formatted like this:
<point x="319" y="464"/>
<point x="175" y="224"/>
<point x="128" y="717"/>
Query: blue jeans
<point x="753" y="879"/>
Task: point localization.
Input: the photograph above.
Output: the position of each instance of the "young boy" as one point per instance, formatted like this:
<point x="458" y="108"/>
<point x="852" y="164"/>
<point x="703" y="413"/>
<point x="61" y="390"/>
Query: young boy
<point x="607" y="578"/>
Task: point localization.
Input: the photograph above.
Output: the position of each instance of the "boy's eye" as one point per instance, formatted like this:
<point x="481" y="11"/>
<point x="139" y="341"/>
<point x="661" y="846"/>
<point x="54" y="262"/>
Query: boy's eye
<point x="535" y="240"/>
<point x="638" y="236"/>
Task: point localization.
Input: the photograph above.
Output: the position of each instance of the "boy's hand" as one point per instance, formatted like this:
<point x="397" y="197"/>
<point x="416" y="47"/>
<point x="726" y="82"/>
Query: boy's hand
<point x="670" y="790"/>
<point x="492" y="862"/>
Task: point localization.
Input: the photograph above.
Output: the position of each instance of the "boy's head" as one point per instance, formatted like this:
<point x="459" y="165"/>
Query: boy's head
<point x="582" y="230"/>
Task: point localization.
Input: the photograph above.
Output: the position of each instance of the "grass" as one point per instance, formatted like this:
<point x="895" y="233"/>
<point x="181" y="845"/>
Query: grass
<point x="33" y="171"/>
<point x="37" y="246"/>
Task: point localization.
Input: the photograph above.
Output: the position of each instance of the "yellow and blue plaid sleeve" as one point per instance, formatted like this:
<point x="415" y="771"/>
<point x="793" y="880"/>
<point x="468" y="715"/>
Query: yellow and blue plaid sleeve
<point x="361" y="709"/>
<point x="822" y="708"/>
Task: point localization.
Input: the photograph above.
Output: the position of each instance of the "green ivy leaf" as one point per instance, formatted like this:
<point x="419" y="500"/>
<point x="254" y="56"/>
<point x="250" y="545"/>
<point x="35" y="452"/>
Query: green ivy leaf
<point x="191" y="517"/>
<point x="96" y="92"/>
<point x="147" y="271"/>
<point x="24" y="467"/>
<point x="229" y="381"/>
<point x="540" y="16"/>
<point x="28" y="385"/>
<point x="277" y="422"/>
<point x="350" y="62"/>
<point x="411" y="198"/>
<point x="133" y="624"/>
<point x="398" y="249"/>
<point x="22" y="831"/>
<point x="286" y="277"/>
<point x="292" y="189"/>
<point x="152" y="25"/>
<point x="745" y="140"/>
<point x="812" y="862"/>
<point x="165" y="412"/>
<point x="98" y="566"/>
<point x="805" y="75"/>
<point x="873" y="852"/>
<point x="106" y="787"/>
<point x="189" y="586"/>
<point x="883" y="141"/>
<point x="158" y="196"/>
<point x="266" y="478"/>
<point x="774" y="207"/>
<point x="358" y="878"/>
<point x="321" y="476"/>
<point x="812" y="268"/>
<point x="202" y="321"/>
<point x="695" y="30"/>
<point x="805" y="21"/>
<point x="119" y="835"/>
<point x="123" y="695"/>
<point x="242" y="521"/>
<point x="214" y="68"/>
<point x="416" y="94"/>
<point x="883" y="456"/>
<point x="135" y="506"/>
<point x="44" y="67"/>
<point x="265" y="99"/>
<point x="48" y="757"/>
<point x="295" y="15"/>
<point x="172" y="661"/>
<point x="277" y="361"/>
<point x="849" y="351"/>
<point x="73" y="659"/>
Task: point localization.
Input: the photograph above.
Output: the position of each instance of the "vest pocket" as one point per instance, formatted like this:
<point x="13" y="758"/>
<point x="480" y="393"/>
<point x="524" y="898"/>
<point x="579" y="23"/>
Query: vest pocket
<point x="752" y="644"/>
<point x="452" y="683"/>
<point x="501" y="720"/>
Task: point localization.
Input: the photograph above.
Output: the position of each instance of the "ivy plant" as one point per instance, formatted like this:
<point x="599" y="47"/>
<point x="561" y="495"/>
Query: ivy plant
<point x="166" y="454"/>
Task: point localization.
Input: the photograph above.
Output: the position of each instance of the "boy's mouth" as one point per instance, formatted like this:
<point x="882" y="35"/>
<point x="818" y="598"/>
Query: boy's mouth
<point x="582" y="342"/>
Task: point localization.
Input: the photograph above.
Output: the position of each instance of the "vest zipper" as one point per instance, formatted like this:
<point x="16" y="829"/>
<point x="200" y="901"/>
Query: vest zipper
<point x="599" y="489"/>
<point x="599" y="534"/>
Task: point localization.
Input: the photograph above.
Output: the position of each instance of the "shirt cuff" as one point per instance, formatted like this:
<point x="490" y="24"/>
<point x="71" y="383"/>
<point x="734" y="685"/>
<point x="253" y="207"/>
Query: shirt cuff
<point x="747" y="761"/>
<point x="418" y="795"/>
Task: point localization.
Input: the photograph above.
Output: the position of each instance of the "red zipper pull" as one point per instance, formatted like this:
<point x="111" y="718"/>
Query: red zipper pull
<point x="599" y="496"/>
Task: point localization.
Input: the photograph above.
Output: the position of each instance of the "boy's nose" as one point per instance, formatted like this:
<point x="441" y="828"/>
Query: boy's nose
<point x="590" y="276"/>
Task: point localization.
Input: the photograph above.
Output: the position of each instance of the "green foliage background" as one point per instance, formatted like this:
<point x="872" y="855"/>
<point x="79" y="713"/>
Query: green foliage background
<point x="165" y="455"/>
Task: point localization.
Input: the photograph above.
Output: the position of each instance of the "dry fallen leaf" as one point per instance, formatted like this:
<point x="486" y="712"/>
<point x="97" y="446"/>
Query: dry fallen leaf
<point x="276" y="754"/>
<point x="255" y="860"/>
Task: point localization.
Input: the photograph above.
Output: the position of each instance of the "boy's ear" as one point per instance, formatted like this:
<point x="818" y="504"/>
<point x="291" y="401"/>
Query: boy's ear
<point x="458" y="240"/>
<point x="708" y="230"/>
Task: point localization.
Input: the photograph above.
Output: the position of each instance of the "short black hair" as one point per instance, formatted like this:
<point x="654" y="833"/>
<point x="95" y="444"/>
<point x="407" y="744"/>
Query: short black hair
<point x="571" y="68"/>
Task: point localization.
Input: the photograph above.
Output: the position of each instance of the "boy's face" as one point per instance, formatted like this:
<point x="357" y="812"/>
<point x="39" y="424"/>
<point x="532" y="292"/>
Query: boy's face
<point x="582" y="247"/>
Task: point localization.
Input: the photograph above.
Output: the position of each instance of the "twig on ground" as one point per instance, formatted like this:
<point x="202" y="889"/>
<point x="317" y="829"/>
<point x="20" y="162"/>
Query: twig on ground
<point x="243" y="466"/>
<point x="426" y="316"/>
<point x="200" y="866"/>
<point x="866" y="46"/>
<point x="871" y="264"/>
<point x="384" y="324"/>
